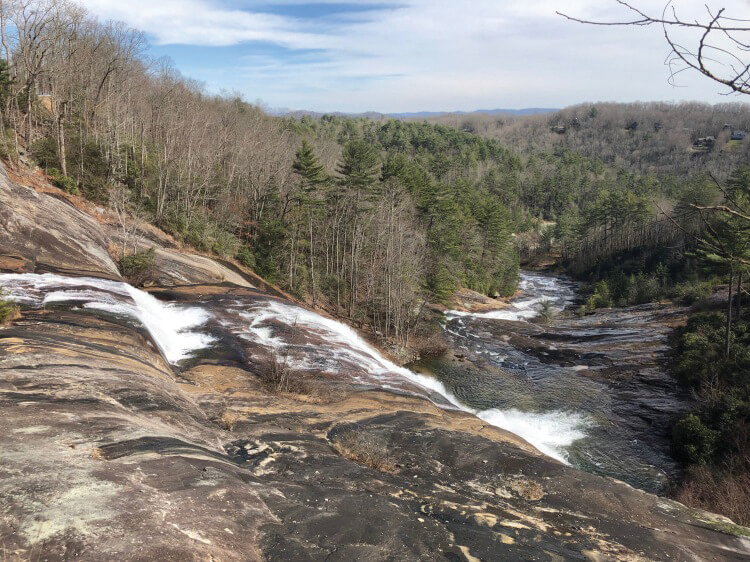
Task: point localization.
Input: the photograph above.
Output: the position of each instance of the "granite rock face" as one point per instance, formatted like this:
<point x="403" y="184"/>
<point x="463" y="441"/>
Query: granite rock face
<point x="41" y="232"/>
<point x="109" y="452"/>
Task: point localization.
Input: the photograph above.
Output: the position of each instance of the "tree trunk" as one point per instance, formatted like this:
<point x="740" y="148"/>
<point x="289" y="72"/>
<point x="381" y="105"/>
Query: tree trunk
<point x="727" y="337"/>
<point x="312" y="261"/>
<point x="28" y="118"/>
<point x="61" y="140"/>
<point x="739" y="295"/>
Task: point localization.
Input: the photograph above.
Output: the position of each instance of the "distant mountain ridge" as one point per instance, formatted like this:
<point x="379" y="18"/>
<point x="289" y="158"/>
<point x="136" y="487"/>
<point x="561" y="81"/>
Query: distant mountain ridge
<point x="414" y="115"/>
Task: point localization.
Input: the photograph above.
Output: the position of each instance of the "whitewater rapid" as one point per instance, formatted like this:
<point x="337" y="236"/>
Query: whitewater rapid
<point x="319" y="344"/>
<point x="174" y="329"/>
<point x="339" y="346"/>
<point x="553" y="431"/>
<point x="537" y="291"/>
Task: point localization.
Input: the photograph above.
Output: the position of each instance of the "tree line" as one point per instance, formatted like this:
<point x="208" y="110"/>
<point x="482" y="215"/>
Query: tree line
<point x="660" y="144"/>
<point x="369" y="220"/>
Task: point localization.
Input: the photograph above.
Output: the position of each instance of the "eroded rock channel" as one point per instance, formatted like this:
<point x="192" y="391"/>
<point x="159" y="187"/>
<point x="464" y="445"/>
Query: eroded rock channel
<point x="592" y="391"/>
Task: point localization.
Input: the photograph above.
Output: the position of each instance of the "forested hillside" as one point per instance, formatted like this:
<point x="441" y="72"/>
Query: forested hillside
<point x="370" y="219"/>
<point x="649" y="138"/>
<point x="373" y="220"/>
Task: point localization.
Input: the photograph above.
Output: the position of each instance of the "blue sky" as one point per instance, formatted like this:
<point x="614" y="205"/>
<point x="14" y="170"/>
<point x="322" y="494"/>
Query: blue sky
<point x="412" y="55"/>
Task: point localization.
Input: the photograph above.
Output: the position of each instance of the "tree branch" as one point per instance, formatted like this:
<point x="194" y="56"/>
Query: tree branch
<point x="736" y="78"/>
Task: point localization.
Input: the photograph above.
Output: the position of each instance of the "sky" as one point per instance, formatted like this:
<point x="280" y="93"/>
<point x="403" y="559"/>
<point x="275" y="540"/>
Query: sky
<point x="416" y="55"/>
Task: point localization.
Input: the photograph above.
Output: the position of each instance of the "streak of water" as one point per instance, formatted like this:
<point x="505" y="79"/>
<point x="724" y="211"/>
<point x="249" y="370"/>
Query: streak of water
<point x="172" y="328"/>
<point x="317" y="343"/>
<point x="556" y="405"/>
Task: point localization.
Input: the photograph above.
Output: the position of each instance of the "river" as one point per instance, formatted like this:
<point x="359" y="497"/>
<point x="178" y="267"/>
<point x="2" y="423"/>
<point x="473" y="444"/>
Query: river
<point x="590" y="391"/>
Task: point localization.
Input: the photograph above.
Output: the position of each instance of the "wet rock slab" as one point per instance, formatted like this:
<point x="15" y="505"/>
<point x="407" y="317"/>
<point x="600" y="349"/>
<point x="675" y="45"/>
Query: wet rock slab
<point x="610" y="366"/>
<point x="42" y="231"/>
<point x="107" y="453"/>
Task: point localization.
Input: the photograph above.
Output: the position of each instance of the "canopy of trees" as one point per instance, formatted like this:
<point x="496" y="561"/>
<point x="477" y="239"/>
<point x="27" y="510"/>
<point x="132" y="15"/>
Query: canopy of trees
<point x="371" y="219"/>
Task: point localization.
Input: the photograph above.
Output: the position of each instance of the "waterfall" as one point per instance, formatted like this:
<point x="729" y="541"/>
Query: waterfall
<point x="171" y="327"/>
<point x="327" y="345"/>
<point x="549" y="432"/>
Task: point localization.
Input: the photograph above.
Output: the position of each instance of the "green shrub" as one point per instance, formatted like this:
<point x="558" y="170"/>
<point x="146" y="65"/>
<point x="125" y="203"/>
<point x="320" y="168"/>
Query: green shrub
<point x="601" y="297"/>
<point x="699" y="349"/>
<point x="442" y="283"/>
<point x="246" y="257"/>
<point x="7" y="143"/>
<point x="224" y="243"/>
<point x="66" y="183"/>
<point x="8" y="310"/>
<point x="645" y="288"/>
<point x="204" y="233"/>
<point x="92" y="167"/>
<point x="138" y="268"/>
<point x="691" y="292"/>
<point x="717" y="430"/>
<point x="44" y="151"/>
<point x="693" y="442"/>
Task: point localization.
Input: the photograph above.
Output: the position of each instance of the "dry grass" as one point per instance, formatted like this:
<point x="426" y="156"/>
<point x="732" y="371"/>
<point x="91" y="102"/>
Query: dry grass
<point x="97" y="454"/>
<point x="364" y="448"/>
<point x="229" y="418"/>
<point x="8" y="311"/>
<point x="280" y="377"/>
<point x="718" y="491"/>
<point x="13" y="314"/>
<point x="432" y="345"/>
<point x="527" y="489"/>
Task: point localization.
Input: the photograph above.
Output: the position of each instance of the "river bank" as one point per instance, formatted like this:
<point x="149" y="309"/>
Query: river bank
<point x="590" y="390"/>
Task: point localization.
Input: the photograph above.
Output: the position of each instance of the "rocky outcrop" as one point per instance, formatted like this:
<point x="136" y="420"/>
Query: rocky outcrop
<point x="41" y="232"/>
<point x="109" y="452"/>
<point x="471" y="301"/>
<point x="172" y="267"/>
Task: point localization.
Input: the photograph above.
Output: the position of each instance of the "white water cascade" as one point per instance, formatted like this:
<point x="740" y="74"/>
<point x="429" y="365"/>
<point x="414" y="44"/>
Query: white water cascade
<point x="544" y="288"/>
<point x="549" y="432"/>
<point x="172" y="327"/>
<point x="334" y="346"/>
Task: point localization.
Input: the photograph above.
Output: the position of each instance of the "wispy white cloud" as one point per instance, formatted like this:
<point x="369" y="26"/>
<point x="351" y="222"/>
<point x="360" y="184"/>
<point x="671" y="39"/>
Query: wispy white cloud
<point x="419" y="54"/>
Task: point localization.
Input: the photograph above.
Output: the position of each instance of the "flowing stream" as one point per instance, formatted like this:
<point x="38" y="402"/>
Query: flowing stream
<point x="590" y="390"/>
<point x="551" y="385"/>
<point x="173" y="329"/>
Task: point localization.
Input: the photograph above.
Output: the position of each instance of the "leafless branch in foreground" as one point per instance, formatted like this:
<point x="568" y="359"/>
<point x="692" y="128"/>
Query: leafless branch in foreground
<point x="720" y="49"/>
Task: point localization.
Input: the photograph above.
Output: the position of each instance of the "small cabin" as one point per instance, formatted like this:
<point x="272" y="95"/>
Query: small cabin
<point x="632" y="126"/>
<point x="704" y="143"/>
<point x="738" y="135"/>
